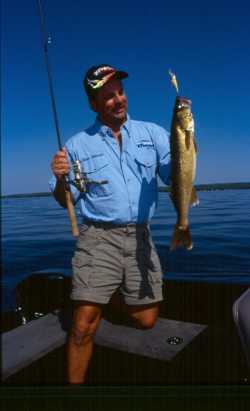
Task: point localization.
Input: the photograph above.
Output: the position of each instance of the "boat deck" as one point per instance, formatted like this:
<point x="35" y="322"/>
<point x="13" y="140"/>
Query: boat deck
<point x="213" y="357"/>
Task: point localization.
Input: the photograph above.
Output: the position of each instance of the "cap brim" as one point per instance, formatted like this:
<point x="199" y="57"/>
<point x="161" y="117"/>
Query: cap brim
<point x="120" y="74"/>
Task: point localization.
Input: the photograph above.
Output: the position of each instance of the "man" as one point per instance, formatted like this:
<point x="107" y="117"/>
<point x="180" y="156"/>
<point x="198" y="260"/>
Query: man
<point x="114" y="250"/>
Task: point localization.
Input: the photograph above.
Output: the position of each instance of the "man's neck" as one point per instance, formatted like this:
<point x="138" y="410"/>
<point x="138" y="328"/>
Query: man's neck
<point x="114" y="125"/>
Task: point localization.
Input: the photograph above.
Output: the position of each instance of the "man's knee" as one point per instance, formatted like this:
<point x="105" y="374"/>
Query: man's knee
<point x="81" y="334"/>
<point x="83" y="330"/>
<point x="144" y="317"/>
<point x="146" y="322"/>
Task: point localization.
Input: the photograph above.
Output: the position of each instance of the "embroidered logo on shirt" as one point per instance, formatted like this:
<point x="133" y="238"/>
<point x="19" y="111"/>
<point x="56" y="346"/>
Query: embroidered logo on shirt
<point x="145" y="143"/>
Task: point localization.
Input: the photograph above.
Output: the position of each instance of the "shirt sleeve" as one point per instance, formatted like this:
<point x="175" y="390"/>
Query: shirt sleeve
<point x="161" y="141"/>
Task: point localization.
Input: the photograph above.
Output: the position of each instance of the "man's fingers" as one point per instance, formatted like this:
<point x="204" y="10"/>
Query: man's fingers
<point x="60" y="168"/>
<point x="61" y="153"/>
<point x="61" y="160"/>
<point x="60" y="163"/>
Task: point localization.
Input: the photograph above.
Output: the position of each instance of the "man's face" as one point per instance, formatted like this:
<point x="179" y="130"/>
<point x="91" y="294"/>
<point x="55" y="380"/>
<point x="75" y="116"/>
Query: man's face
<point x="111" y="103"/>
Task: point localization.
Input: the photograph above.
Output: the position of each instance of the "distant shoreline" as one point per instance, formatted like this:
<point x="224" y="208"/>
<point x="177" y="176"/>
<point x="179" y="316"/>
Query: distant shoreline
<point x="199" y="187"/>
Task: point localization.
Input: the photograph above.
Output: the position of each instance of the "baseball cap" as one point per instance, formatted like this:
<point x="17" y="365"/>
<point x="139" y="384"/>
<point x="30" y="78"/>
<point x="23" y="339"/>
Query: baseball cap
<point x="97" y="76"/>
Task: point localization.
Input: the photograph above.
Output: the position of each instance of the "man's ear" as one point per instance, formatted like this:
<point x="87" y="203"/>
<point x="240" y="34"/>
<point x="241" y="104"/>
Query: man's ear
<point x="92" y="103"/>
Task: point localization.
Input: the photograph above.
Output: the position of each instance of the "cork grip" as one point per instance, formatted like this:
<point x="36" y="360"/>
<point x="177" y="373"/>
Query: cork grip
<point x="71" y="213"/>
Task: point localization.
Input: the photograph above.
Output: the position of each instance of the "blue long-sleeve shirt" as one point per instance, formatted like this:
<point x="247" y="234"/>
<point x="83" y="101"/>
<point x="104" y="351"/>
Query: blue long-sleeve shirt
<point x="131" y="192"/>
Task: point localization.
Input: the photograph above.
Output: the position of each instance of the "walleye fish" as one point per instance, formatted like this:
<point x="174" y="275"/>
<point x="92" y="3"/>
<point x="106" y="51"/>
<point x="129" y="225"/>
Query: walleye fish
<point x="183" y="167"/>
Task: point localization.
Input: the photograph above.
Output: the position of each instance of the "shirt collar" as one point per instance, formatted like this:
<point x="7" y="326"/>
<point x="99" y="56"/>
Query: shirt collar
<point x="105" y="130"/>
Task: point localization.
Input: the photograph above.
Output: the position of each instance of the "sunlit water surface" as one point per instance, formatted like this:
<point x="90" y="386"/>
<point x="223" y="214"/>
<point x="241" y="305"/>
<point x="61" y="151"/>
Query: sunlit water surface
<point x="36" y="236"/>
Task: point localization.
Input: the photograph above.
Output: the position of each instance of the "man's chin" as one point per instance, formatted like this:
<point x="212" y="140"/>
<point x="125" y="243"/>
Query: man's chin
<point x="115" y="118"/>
<point x="122" y="116"/>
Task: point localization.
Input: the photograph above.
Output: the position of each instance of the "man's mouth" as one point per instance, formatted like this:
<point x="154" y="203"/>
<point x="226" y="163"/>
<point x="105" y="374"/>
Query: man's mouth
<point x="119" y="110"/>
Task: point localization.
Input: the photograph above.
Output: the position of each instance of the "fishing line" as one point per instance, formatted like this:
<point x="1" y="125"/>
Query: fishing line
<point x="46" y="42"/>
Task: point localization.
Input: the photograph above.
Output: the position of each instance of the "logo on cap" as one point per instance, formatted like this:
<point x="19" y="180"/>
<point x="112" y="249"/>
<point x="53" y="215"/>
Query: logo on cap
<point x="101" y="69"/>
<point x="96" y="77"/>
<point x="97" y="83"/>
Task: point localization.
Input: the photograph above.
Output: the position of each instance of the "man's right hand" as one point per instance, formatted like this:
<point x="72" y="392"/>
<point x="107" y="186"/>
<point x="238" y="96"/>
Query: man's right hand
<point x="60" y="164"/>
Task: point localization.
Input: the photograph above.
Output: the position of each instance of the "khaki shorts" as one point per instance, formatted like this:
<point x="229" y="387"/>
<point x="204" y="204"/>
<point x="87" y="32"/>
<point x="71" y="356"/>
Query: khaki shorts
<point x="108" y="258"/>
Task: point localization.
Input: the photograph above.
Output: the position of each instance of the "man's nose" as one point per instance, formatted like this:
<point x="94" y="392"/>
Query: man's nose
<point x="119" y="98"/>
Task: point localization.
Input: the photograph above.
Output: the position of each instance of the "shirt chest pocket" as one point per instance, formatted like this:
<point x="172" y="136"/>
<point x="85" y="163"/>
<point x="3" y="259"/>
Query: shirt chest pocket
<point x="145" y="153"/>
<point x="146" y="158"/>
<point x="96" y="169"/>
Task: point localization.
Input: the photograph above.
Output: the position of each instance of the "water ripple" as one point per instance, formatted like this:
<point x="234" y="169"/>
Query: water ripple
<point x="36" y="235"/>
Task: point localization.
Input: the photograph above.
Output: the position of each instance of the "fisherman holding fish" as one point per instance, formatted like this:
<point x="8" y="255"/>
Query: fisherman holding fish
<point x="115" y="255"/>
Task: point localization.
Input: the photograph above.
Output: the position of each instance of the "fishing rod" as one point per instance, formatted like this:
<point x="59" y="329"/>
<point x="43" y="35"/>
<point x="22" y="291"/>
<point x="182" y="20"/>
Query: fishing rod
<point x="46" y="42"/>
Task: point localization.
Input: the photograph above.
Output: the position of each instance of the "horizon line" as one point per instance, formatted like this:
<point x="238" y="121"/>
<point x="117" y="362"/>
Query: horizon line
<point x="164" y="187"/>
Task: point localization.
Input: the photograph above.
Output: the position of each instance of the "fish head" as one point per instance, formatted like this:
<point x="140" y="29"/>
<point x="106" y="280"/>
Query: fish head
<point x="183" y="114"/>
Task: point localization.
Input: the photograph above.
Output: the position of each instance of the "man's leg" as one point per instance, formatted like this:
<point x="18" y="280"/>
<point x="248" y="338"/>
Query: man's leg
<point x="86" y="318"/>
<point x="144" y="316"/>
<point x="142" y="282"/>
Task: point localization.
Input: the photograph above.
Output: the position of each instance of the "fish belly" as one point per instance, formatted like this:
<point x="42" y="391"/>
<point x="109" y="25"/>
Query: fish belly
<point x="183" y="172"/>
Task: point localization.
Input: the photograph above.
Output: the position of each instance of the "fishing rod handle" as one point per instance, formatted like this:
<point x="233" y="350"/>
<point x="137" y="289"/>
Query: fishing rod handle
<point x="71" y="213"/>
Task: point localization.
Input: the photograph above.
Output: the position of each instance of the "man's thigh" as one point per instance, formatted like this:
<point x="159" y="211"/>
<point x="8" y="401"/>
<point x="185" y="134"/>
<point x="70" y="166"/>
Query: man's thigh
<point x="96" y="265"/>
<point x="142" y="283"/>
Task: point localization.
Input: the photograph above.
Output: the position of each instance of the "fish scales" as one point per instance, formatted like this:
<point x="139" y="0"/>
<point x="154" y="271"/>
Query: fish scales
<point x="183" y="164"/>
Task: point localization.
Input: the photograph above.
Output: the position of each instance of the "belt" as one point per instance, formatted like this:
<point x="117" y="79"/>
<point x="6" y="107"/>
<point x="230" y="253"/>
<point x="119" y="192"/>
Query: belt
<point x="110" y="225"/>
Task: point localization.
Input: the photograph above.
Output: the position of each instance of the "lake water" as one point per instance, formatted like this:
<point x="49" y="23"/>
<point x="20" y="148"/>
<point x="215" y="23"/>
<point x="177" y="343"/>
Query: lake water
<point x="36" y="236"/>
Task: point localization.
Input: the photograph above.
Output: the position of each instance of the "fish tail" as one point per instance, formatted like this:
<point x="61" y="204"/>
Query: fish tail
<point x="181" y="237"/>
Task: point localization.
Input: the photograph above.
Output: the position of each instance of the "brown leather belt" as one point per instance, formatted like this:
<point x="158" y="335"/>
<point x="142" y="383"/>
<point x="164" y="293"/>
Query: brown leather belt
<point x="110" y="225"/>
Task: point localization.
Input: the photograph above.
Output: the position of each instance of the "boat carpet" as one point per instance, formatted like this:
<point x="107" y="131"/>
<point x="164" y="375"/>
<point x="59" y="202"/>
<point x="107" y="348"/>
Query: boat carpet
<point x="26" y="344"/>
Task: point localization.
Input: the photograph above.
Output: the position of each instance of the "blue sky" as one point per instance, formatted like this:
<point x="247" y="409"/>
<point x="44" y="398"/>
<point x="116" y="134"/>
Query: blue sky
<point x="205" y="44"/>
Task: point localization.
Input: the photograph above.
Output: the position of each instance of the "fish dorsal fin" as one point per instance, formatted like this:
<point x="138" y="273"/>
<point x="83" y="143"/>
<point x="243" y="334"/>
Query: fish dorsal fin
<point x="195" y="145"/>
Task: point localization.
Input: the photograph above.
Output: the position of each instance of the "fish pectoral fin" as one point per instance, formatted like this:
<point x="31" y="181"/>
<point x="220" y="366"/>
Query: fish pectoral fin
<point x="194" y="200"/>
<point x="181" y="237"/>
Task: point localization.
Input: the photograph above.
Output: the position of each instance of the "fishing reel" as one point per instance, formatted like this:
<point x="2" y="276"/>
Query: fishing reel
<point x="81" y="181"/>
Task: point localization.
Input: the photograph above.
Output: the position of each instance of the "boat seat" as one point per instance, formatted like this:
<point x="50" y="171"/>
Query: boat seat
<point x="241" y="314"/>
